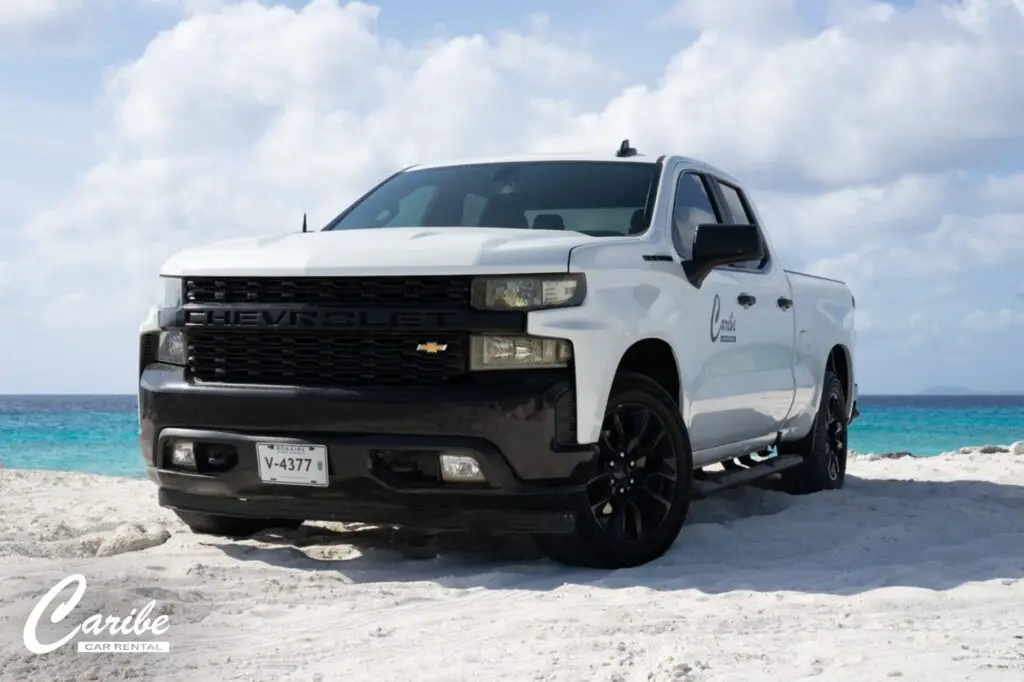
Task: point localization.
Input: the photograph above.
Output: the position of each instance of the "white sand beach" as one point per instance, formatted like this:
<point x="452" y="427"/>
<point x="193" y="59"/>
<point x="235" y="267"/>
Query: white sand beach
<point x="915" y="571"/>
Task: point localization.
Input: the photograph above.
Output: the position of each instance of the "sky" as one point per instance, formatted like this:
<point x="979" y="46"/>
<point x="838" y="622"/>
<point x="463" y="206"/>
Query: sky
<point x="882" y="142"/>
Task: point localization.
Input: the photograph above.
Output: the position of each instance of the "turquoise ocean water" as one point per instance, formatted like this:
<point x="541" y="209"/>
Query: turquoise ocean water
<point x="98" y="434"/>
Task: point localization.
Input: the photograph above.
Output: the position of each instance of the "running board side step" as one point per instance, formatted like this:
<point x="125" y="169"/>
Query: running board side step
<point x="717" y="482"/>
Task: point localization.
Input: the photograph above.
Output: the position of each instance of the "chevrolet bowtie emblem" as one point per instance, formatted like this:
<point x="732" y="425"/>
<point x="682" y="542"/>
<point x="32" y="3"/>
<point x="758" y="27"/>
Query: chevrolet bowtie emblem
<point x="432" y="347"/>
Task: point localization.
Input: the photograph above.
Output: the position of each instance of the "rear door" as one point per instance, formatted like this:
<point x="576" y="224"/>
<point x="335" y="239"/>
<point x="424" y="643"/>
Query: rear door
<point x="766" y="340"/>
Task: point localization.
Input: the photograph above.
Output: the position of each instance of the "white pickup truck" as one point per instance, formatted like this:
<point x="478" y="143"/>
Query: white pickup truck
<point x="566" y="347"/>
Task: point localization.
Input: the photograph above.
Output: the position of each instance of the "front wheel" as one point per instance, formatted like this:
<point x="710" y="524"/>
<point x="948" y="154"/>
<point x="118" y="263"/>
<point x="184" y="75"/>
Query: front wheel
<point x="639" y="490"/>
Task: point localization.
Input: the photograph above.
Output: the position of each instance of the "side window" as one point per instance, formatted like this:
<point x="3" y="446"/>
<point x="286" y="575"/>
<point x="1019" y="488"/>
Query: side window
<point x="739" y="213"/>
<point x="693" y="207"/>
<point x="734" y="201"/>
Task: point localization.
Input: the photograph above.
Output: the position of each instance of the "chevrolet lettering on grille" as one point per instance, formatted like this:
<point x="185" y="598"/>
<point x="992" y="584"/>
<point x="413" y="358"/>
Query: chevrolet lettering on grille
<point x="283" y="318"/>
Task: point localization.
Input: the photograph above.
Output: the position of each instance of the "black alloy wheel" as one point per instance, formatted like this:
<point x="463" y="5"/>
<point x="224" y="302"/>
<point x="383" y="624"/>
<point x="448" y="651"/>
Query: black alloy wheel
<point x="631" y="495"/>
<point x="824" y="449"/>
<point x="638" y="494"/>
<point x="835" y="439"/>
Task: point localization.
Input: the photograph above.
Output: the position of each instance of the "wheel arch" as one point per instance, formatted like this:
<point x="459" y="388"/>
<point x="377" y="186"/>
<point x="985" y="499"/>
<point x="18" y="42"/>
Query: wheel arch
<point x="654" y="358"/>
<point x="839" y="362"/>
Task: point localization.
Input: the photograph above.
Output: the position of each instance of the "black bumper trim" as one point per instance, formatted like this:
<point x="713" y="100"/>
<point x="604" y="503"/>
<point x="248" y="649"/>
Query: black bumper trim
<point x="461" y="517"/>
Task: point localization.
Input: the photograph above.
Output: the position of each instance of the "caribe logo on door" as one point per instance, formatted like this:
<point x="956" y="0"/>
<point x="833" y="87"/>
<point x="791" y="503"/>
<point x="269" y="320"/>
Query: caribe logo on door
<point x="719" y="325"/>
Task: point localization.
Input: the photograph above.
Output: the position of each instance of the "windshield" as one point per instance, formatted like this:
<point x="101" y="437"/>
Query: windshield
<point x="599" y="198"/>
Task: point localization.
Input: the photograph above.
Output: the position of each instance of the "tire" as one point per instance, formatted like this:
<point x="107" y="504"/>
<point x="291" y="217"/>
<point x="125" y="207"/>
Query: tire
<point x="654" y="485"/>
<point x="824" y="449"/>
<point x="232" y="526"/>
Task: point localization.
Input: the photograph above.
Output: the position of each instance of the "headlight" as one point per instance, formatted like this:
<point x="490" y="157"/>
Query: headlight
<point x="518" y="352"/>
<point x="172" y="348"/>
<point x="530" y="292"/>
<point x="169" y="294"/>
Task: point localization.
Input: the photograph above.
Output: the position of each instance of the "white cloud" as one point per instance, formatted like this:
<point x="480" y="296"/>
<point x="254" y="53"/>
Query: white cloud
<point x="910" y="91"/>
<point x="914" y="329"/>
<point x="1007" y="190"/>
<point x="868" y="142"/>
<point x="847" y="217"/>
<point x="957" y="243"/>
<point x="993" y="320"/>
<point x="69" y="310"/>
<point x="242" y="119"/>
<point x="189" y="6"/>
<point x="756" y="21"/>
<point x="25" y="15"/>
<point x="987" y="239"/>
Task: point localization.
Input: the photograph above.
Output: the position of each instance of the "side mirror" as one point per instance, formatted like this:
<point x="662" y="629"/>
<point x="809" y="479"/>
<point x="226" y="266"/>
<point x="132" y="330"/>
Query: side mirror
<point x="715" y="245"/>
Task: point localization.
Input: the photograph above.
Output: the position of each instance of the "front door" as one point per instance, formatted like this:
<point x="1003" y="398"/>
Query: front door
<point x="768" y="338"/>
<point x="716" y="334"/>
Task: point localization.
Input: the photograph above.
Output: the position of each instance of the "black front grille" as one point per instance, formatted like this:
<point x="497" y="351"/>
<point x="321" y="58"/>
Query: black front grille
<point x="339" y="358"/>
<point x="438" y="291"/>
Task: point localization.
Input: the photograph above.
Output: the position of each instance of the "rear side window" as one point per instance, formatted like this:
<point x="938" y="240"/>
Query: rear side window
<point x="739" y="213"/>
<point x="736" y="205"/>
<point x="693" y="207"/>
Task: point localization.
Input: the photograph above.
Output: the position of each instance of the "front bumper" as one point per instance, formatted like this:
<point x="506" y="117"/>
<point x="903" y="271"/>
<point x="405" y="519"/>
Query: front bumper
<point x="382" y="450"/>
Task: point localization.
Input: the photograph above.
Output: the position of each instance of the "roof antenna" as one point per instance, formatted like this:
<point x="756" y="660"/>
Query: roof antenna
<point x="303" y="222"/>
<point x="625" y="150"/>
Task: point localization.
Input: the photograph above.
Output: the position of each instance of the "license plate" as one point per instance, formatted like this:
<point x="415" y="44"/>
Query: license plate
<point x="292" y="464"/>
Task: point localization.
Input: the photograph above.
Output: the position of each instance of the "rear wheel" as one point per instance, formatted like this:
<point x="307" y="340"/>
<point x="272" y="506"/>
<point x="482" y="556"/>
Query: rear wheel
<point x="232" y="526"/>
<point x="824" y="449"/>
<point x="639" y="491"/>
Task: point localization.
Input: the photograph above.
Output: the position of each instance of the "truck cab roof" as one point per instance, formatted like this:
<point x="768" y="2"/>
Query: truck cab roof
<point x="584" y="157"/>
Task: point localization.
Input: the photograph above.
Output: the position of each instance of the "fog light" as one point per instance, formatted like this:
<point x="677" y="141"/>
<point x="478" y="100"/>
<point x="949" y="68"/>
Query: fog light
<point x="461" y="468"/>
<point x="183" y="454"/>
<point x="518" y="352"/>
<point x="172" y="348"/>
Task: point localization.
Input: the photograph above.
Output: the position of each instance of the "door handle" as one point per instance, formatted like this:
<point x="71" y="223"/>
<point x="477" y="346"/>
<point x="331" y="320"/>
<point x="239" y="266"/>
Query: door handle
<point x="785" y="303"/>
<point x="746" y="300"/>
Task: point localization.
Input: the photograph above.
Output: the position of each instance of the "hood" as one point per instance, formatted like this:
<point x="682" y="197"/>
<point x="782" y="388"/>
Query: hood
<point x="384" y="251"/>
